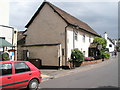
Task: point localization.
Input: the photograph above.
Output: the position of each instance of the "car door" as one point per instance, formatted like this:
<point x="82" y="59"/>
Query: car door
<point x="6" y="75"/>
<point x="22" y="74"/>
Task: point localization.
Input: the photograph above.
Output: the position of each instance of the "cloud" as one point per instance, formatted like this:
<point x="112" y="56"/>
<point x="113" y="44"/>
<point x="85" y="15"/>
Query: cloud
<point x="20" y="13"/>
<point x="101" y="16"/>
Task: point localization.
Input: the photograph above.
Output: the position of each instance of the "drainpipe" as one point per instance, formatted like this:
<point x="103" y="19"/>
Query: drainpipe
<point x="12" y="36"/>
<point x="73" y="39"/>
<point x="66" y="44"/>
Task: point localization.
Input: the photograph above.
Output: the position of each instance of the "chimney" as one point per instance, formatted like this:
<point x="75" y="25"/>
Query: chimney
<point x="105" y="35"/>
<point x="45" y="0"/>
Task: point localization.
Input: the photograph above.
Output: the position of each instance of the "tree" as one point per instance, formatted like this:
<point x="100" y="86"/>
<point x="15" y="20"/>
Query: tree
<point x="101" y="41"/>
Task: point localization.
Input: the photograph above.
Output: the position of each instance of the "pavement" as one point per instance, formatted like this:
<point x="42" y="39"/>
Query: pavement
<point x="54" y="73"/>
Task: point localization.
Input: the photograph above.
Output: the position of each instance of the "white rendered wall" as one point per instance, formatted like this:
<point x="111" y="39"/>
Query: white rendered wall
<point x="111" y="49"/>
<point x="79" y="43"/>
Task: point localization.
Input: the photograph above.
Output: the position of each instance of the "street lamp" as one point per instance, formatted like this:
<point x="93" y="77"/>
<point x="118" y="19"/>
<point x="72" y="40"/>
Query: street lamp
<point x="99" y="47"/>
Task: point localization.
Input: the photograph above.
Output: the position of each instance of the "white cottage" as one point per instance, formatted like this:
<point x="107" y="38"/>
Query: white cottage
<point x="110" y="44"/>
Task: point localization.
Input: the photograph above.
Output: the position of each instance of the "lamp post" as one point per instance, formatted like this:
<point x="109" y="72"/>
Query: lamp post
<point x="99" y="47"/>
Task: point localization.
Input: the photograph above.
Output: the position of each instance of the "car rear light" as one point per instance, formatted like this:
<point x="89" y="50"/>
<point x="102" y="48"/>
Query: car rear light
<point x="40" y="75"/>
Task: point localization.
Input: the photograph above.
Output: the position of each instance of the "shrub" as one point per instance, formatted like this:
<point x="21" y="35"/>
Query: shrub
<point x="5" y="56"/>
<point x="77" y="56"/>
<point x="106" y="55"/>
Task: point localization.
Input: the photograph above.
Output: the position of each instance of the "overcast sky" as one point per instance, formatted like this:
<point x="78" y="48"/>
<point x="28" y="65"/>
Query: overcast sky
<point x="101" y="15"/>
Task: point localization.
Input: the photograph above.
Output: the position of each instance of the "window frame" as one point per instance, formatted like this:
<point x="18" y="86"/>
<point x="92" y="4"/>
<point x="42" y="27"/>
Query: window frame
<point x="22" y="68"/>
<point x="110" y="45"/>
<point x="11" y="72"/>
<point x="84" y="38"/>
<point x="89" y="39"/>
<point x="76" y="35"/>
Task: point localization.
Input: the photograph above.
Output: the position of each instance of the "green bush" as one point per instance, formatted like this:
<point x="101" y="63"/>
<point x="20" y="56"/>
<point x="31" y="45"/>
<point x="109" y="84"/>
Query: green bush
<point x="106" y="55"/>
<point x="5" y="56"/>
<point x="77" y="56"/>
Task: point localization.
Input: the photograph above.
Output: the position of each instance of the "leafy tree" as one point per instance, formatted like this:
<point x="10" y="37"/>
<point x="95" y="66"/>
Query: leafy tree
<point x="101" y="41"/>
<point x="106" y="55"/>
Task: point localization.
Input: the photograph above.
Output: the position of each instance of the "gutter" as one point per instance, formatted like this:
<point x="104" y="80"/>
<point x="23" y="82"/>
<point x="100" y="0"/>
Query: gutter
<point x="84" y="30"/>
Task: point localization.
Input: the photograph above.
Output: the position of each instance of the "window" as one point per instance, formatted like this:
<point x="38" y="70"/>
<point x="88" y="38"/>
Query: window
<point x="21" y="67"/>
<point x="62" y="52"/>
<point x="90" y="39"/>
<point x="5" y="69"/>
<point x="84" y="38"/>
<point x="76" y="35"/>
<point x="110" y="45"/>
<point x="84" y="52"/>
<point x="3" y="38"/>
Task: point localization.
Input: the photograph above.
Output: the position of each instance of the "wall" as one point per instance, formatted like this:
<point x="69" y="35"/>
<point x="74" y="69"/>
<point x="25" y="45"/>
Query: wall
<point x="111" y="49"/>
<point x="47" y="28"/>
<point x="48" y="54"/>
<point x="79" y="43"/>
<point x="7" y="33"/>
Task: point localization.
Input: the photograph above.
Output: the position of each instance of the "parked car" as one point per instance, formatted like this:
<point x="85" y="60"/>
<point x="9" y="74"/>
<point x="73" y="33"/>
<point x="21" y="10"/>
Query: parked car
<point x="19" y="74"/>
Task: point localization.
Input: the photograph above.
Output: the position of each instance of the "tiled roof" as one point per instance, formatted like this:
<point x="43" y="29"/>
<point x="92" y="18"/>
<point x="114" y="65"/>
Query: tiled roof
<point x="110" y="40"/>
<point x="69" y="19"/>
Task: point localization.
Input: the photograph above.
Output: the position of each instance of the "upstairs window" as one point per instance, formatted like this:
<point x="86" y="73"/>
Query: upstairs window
<point x="83" y="37"/>
<point x="76" y="35"/>
<point x="110" y="45"/>
<point x="90" y="39"/>
<point x="63" y="52"/>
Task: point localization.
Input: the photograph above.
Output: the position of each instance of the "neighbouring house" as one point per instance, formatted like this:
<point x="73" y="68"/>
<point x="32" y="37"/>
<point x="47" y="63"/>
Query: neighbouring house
<point x="51" y="35"/>
<point x="8" y="34"/>
<point x="20" y="42"/>
<point x="110" y="44"/>
<point x="9" y="44"/>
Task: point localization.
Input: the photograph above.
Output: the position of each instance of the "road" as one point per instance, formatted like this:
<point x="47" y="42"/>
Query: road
<point x="99" y="75"/>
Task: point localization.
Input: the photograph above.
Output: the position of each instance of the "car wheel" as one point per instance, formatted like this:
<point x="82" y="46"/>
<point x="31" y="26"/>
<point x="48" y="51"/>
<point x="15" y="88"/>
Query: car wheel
<point x="33" y="85"/>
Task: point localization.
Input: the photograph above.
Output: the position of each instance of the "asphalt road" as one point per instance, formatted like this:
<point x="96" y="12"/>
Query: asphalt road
<point x="99" y="75"/>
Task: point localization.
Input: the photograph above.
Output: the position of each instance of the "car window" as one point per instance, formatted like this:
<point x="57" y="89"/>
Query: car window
<point x="5" y="69"/>
<point x="21" y="67"/>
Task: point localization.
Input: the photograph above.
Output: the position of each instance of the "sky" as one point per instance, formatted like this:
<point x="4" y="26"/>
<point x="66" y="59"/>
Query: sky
<point x="101" y="15"/>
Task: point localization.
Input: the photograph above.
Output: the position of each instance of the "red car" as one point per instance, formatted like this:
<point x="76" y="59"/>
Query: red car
<point x="19" y="74"/>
